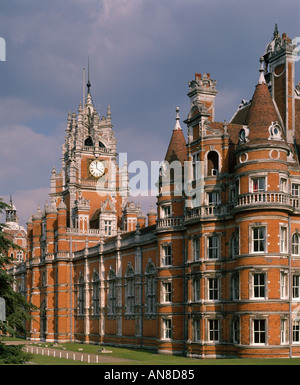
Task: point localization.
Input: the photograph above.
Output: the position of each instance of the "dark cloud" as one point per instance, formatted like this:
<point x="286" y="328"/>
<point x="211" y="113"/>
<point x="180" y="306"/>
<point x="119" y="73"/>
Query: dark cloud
<point x="142" y="55"/>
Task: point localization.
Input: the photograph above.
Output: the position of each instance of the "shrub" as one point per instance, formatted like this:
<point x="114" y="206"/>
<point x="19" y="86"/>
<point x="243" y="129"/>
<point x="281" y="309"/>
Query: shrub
<point x="13" y="354"/>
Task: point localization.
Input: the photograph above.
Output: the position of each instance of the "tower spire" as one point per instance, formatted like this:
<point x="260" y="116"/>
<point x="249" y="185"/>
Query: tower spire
<point x="88" y="83"/>
<point x="83" y="85"/>
<point x="276" y="33"/>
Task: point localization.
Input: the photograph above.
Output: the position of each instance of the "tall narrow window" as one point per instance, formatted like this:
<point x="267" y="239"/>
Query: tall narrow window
<point x="196" y="287"/>
<point x="167" y="328"/>
<point x="213" y="330"/>
<point x="19" y="256"/>
<point x="107" y="227"/>
<point x="167" y="292"/>
<point x="296" y="331"/>
<point x="81" y="302"/>
<point x="259" y="285"/>
<point x="195" y="165"/>
<point x="212" y="163"/>
<point x="296" y="286"/>
<point x="258" y="239"/>
<point x="129" y="291"/>
<point x="167" y="254"/>
<point x="235" y="287"/>
<point x="283" y="239"/>
<point x="234" y="245"/>
<point x="235" y="331"/>
<point x="213" y="289"/>
<point x="150" y="289"/>
<point x="95" y="294"/>
<point x="196" y="249"/>
<point x="196" y="330"/>
<point x="111" y="298"/>
<point x="213" y="251"/>
<point x="283" y="284"/>
<point x="283" y="331"/>
<point x="295" y="244"/>
<point x="166" y="211"/>
<point x="283" y="185"/>
<point x="295" y="190"/>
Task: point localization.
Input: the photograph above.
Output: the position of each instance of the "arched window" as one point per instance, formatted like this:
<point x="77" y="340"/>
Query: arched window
<point x="150" y="292"/>
<point x="295" y="244"/>
<point x="88" y="142"/>
<point x="95" y="293"/>
<point x="44" y="279"/>
<point x="129" y="290"/>
<point x="43" y="319"/>
<point x="81" y="301"/>
<point x="212" y="163"/>
<point x="234" y="244"/>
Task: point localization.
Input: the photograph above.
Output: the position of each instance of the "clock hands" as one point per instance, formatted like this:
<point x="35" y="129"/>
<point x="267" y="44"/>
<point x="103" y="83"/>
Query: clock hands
<point x="97" y="167"/>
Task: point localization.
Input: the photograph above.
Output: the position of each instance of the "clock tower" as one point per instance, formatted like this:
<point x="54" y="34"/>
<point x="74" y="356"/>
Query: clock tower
<point x="90" y="181"/>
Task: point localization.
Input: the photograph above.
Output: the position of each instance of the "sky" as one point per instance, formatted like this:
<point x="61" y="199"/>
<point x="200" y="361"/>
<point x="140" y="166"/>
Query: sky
<point x="142" y="54"/>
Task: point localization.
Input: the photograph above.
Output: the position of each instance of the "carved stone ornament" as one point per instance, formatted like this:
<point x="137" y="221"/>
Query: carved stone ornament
<point x="275" y="131"/>
<point x="244" y="135"/>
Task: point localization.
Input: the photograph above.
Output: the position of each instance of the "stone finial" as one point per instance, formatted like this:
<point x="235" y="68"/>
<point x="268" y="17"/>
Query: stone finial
<point x="261" y="79"/>
<point x="177" y="124"/>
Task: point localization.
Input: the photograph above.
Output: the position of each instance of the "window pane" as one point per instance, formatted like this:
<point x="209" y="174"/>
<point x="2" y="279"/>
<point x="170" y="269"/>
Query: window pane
<point x="258" y="184"/>
<point x="295" y="190"/>
<point x="213" y="198"/>
<point x="213" y="247"/>
<point x="213" y="330"/>
<point x="296" y="282"/>
<point x="259" y="285"/>
<point x="196" y="249"/>
<point x="295" y="244"/>
<point x="213" y="288"/>
<point x="259" y="332"/>
<point x="296" y="330"/>
<point x="258" y="239"/>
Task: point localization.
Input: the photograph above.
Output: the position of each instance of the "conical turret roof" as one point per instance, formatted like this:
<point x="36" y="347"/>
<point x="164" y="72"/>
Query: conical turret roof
<point x="262" y="113"/>
<point x="177" y="146"/>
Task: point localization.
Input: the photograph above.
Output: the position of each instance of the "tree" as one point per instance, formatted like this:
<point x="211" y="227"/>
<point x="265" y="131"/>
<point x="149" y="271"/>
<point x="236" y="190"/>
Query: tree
<point x="17" y="307"/>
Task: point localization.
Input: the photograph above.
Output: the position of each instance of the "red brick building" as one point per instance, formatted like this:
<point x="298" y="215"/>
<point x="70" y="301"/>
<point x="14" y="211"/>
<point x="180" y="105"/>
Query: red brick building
<point x="215" y="270"/>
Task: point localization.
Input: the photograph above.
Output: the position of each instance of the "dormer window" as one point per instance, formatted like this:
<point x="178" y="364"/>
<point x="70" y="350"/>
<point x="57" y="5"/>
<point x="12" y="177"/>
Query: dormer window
<point x="275" y="131"/>
<point x="243" y="136"/>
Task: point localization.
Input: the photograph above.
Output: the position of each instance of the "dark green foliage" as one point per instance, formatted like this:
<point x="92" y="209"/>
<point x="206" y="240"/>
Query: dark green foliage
<point x="17" y="307"/>
<point x="13" y="354"/>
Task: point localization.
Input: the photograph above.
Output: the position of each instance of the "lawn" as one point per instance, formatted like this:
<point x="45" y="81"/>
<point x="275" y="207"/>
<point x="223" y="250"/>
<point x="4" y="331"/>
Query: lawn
<point x="145" y="357"/>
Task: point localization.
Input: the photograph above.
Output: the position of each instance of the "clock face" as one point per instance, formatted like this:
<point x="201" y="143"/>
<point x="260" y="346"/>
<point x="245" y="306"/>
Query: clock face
<point x="97" y="168"/>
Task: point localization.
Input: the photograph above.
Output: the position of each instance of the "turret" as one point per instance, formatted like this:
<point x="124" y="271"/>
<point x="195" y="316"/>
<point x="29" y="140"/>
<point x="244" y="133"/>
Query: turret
<point x="279" y="62"/>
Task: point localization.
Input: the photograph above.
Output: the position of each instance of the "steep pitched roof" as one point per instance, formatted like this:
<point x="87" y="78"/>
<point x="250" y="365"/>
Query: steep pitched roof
<point x="261" y="113"/>
<point x="177" y="146"/>
<point x="241" y="115"/>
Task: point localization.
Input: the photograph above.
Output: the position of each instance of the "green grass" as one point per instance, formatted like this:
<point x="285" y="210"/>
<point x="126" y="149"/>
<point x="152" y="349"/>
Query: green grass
<point x="145" y="357"/>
